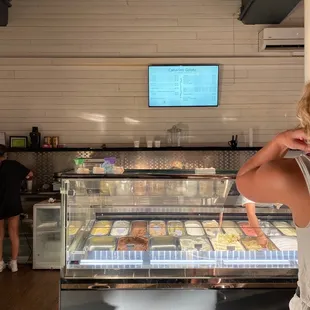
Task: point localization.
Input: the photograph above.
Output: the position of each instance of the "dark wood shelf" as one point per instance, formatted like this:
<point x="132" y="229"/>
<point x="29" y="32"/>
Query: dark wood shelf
<point x="132" y="149"/>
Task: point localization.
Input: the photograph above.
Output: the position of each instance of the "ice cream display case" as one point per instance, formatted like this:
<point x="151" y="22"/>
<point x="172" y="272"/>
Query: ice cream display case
<point x="135" y="235"/>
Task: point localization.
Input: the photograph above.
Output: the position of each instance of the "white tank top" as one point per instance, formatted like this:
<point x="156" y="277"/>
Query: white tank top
<point x="303" y="236"/>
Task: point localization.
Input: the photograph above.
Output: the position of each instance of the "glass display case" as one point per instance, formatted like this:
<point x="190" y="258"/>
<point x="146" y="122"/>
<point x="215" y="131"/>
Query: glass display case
<point x="46" y="235"/>
<point x="153" y="231"/>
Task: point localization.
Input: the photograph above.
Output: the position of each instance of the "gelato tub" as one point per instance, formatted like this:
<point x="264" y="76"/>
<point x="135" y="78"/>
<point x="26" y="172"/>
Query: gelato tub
<point x="195" y="243"/>
<point x="76" y="223"/>
<point x="247" y="229"/>
<point x="251" y="244"/>
<point x="231" y="228"/>
<point x="269" y="229"/>
<point x="224" y="242"/>
<point x="74" y="227"/>
<point x="176" y="228"/>
<point x="157" y="228"/>
<point x="132" y="244"/>
<point x="101" y="228"/>
<point x="101" y="243"/>
<point x="73" y="230"/>
<point x="138" y="228"/>
<point x="211" y="228"/>
<point x="194" y="228"/>
<point x="165" y="243"/>
<point x="120" y="228"/>
<point x="285" y="243"/>
<point x="285" y="228"/>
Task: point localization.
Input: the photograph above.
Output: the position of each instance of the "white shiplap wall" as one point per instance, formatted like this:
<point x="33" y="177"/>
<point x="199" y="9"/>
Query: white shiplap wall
<point x="104" y="99"/>
<point x="130" y="28"/>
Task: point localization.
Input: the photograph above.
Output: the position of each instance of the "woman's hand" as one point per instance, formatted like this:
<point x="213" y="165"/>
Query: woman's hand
<point x="294" y="139"/>
<point x="262" y="241"/>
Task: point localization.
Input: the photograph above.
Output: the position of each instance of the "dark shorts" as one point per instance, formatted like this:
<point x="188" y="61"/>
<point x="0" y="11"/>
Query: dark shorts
<point x="10" y="211"/>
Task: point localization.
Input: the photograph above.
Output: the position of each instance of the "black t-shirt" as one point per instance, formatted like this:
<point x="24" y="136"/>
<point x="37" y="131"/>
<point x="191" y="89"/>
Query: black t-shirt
<point x="12" y="173"/>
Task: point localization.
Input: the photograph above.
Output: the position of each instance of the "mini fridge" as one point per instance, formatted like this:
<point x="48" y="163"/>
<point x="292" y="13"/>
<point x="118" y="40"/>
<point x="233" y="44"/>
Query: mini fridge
<point x="46" y="235"/>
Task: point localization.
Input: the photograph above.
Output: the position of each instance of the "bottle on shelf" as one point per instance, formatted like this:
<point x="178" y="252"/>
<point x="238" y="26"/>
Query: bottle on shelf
<point x="35" y="138"/>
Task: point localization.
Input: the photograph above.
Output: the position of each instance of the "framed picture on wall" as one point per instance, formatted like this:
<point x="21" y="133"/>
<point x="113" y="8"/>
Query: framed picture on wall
<point x="18" y="141"/>
<point x="2" y="138"/>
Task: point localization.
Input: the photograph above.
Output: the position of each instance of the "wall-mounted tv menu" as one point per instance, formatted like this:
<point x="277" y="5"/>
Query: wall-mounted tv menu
<point x="183" y="85"/>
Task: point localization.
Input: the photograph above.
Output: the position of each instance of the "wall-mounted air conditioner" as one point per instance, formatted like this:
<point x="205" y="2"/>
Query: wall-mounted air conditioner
<point x="281" y="39"/>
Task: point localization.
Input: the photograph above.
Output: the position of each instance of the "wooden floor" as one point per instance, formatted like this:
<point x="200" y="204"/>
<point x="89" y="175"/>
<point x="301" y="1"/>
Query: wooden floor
<point x="29" y="290"/>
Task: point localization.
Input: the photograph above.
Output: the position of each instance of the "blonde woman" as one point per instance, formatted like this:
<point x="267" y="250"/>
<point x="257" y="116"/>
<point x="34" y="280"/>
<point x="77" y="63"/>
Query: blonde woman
<point x="268" y="176"/>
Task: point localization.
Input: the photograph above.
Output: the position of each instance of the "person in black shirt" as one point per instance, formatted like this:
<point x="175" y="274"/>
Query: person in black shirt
<point x="12" y="173"/>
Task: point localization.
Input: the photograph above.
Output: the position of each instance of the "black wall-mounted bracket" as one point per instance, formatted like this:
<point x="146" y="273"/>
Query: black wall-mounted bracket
<point x="254" y="12"/>
<point x="4" y="12"/>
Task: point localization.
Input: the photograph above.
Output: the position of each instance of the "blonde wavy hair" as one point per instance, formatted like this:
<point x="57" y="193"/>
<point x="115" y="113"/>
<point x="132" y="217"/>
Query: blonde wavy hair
<point x="303" y="110"/>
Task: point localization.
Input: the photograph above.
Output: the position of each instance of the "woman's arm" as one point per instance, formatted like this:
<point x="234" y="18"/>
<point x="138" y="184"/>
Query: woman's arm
<point x="251" y="213"/>
<point x="254" y="223"/>
<point x="253" y="220"/>
<point x="273" y="150"/>
<point x="264" y="177"/>
<point x="268" y="177"/>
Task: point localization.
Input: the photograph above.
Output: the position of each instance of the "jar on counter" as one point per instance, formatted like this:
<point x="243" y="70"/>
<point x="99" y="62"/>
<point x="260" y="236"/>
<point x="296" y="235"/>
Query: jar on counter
<point x="175" y="188"/>
<point x="157" y="188"/>
<point x="55" y="142"/>
<point x="207" y="188"/>
<point x="190" y="188"/>
<point x="48" y="141"/>
<point x="139" y="188"/>
<point x="105" y="188"/>
<point x="222" y="187"/>
<point x="124" y="188"/>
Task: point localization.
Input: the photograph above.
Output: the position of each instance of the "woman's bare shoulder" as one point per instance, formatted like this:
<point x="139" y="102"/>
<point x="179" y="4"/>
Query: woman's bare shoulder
<point x="277" y="181"/>
<point x="297" y="194"/>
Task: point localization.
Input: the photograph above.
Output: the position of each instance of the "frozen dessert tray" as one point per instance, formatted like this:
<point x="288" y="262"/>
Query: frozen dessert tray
<point x="164" y="243"/>
<point x="101" y="228"/>
<point x="211" y="228"/>
<point x="285" y="243"/>
<point x="132" y="244"/>
<point x="226" y="242"/>
<point x="194" y="228"/>
<point x="247" y="229"/>
<point x="195" y="244"/>
<point x="269" y="230"/>
<point x="231" y="228"/>
<point x="100" y="243"/>
<point x="285" y="228"/>
<point x="178" y="235"/>
<point x="176" y="228"/>
<point x="120" y="228"/>
<point x="157" y="228"/>
<point x="251" y="244"/>
<point x="139" y="228"/>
